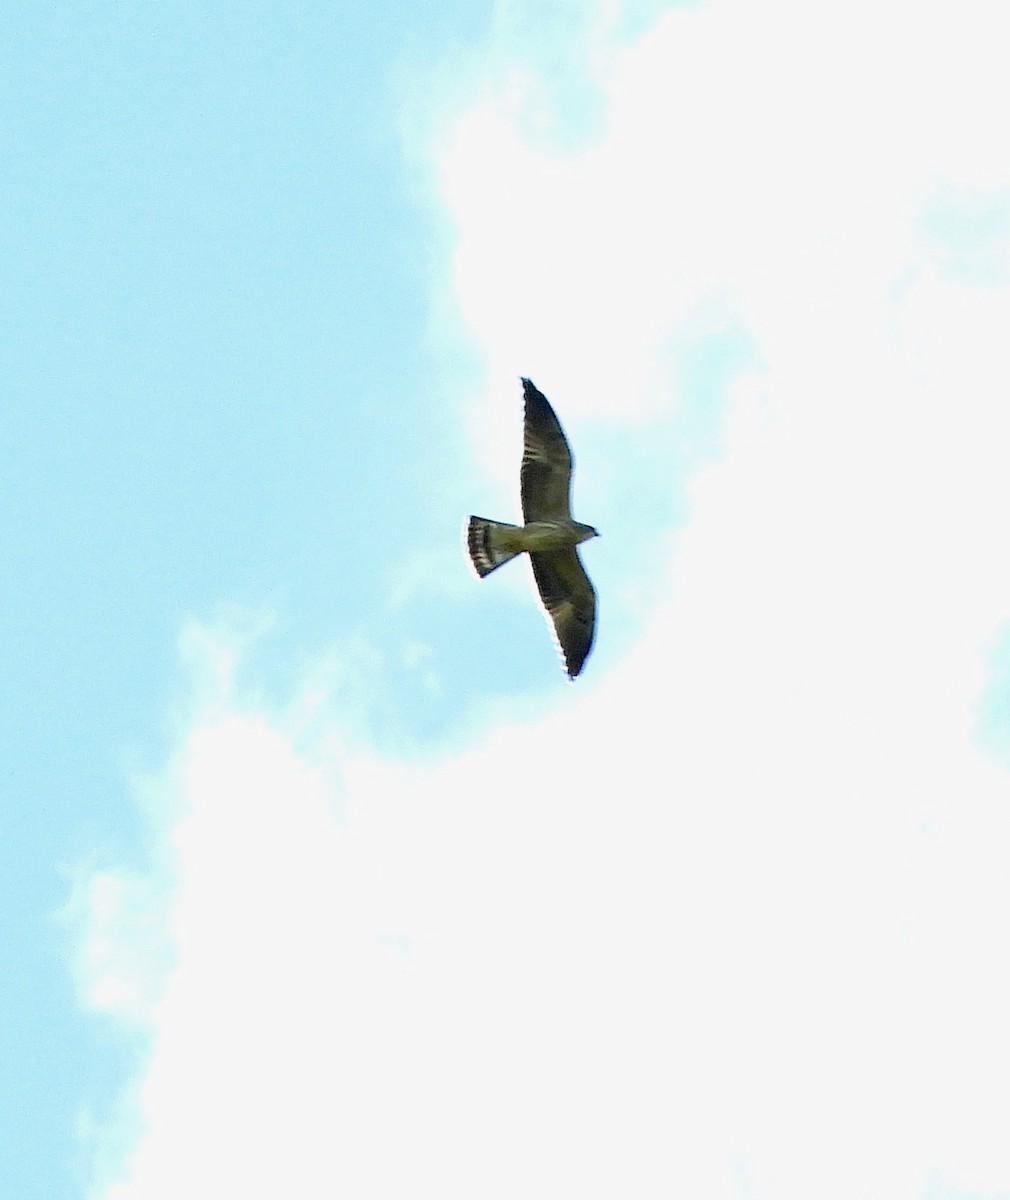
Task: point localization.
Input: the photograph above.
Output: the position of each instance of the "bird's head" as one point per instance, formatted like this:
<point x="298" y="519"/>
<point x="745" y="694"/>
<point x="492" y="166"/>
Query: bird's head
<point x="586" y="532"/>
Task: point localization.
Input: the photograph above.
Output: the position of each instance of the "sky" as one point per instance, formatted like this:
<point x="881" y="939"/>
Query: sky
<point x="319" y="877"/>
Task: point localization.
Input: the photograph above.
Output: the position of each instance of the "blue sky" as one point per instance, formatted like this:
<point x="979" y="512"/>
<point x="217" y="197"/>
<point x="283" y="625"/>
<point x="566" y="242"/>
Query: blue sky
<point x="300" y="899"/>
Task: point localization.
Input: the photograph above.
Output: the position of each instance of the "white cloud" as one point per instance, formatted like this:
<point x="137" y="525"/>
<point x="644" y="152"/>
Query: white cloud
<point x="748" y="942"/>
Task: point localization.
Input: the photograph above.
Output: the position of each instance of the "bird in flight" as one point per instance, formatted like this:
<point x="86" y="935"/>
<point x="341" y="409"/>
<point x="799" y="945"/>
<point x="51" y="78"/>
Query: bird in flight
<point x="549" y="534"/>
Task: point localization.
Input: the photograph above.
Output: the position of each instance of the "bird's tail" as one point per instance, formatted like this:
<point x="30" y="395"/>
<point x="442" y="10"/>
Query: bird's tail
<point x="487" y="541"/>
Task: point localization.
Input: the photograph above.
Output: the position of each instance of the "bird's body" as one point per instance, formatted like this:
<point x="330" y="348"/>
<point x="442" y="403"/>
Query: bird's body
<point x="489" y="540"/>
<point x="550" y="535"/>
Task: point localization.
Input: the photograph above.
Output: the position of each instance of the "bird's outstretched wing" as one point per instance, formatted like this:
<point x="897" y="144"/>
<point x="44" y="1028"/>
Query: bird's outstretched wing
<point x="547" y="461"/>
<point x="570" y="602"/>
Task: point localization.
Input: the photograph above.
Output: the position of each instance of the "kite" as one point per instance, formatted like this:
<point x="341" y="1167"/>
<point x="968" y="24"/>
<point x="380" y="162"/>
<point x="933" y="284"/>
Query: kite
<point x="549" y="535"/>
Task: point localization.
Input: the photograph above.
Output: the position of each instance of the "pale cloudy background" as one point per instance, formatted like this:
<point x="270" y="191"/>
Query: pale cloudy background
<point x="374" y="937"/>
